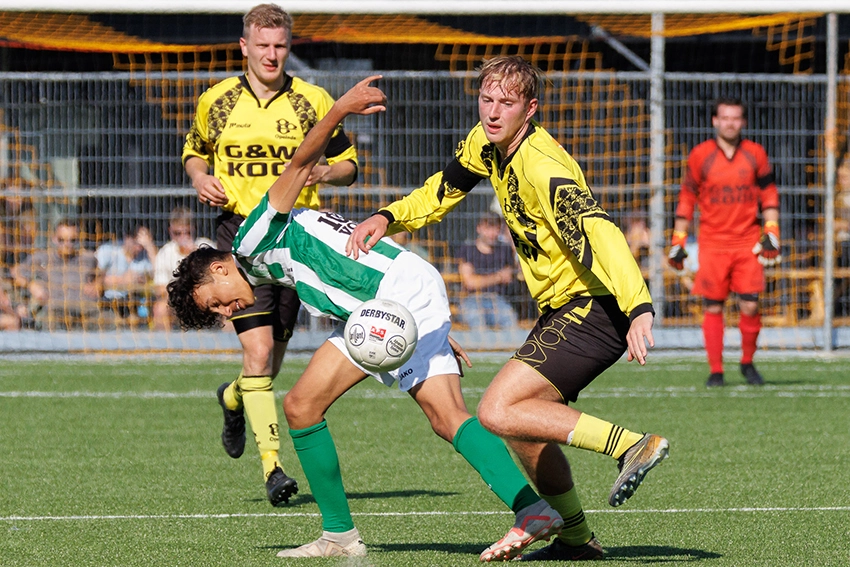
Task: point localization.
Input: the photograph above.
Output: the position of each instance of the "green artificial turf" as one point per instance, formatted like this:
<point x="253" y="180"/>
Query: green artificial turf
<point x="116" y="461"/>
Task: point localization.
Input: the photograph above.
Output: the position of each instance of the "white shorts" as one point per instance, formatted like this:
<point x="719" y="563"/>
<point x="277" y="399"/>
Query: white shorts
<point x="417" y="285"/>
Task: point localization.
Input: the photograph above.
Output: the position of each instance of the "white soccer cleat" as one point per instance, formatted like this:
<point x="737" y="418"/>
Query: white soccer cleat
<point x="533" y="523"/>
<point x="324" y="547"/>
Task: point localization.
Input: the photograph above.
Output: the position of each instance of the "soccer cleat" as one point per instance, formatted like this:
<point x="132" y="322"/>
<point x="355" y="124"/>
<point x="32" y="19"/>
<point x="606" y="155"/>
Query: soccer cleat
<point x="638" y="460"/>
<point x="533" y="523"/>
<point x="752" y="375"/>
<point x="233" y="433"/>
<point x="324" y="547"/>
<point x="560" y="551"/>
<point x="280" y="487"/>
<point x="715" y="379"/>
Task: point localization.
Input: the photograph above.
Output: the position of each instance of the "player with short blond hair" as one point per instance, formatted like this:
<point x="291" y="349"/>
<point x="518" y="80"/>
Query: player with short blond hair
<point x="593" y="300"/>
<point x="305" y="249"/>
<point x="245" y="130"/>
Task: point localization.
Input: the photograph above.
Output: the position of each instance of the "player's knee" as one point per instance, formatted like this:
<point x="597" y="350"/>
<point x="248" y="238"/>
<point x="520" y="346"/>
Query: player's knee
<point x="300" y="412"/>
<point x="491" y="416"/>
<point x="255" y="383"/>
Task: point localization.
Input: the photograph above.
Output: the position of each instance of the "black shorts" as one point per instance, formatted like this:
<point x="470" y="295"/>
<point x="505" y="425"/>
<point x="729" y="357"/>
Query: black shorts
<point x="276" y="305"/>
<point x="572" y="345"/>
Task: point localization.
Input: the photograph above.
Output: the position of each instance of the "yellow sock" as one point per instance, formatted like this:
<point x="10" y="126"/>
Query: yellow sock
<point x="597" y="435"/>
<point x="576" y="531"/>
<point x="261" y="411"/>
<point x="270" y="461"/>
<point x="232" y="395"/>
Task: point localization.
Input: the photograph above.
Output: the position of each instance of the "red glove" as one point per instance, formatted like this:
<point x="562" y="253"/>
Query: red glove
<point x="767" y="248"/>
<point x="676" y="256"/>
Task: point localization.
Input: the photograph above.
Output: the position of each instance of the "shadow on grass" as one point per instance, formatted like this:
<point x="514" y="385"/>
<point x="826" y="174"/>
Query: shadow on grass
<point x="453" y="548"/>
<point x="636" y="553"/>
<point x="308" y="498"/>
<point x="658" y="554"/>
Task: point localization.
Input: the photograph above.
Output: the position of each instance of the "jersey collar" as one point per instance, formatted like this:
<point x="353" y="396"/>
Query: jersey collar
<point x="287" y="85"/>
<point x="504" y="163"/>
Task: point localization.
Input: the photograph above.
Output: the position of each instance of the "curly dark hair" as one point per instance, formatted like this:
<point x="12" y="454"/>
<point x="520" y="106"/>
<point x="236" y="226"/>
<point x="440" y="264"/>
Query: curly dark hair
<point x="191" y="272"/>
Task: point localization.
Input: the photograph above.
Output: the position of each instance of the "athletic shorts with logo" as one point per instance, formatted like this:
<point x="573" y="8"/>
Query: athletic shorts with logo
<point x="571" y="345"/>
<point x="416" y="284"/>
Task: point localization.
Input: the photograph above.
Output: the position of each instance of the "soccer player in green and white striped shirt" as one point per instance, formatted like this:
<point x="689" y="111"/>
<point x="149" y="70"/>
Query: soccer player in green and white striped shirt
<point x="305" y="250"/>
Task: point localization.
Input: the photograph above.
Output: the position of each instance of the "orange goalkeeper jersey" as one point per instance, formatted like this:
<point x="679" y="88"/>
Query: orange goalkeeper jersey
<point x="728" y="192"/>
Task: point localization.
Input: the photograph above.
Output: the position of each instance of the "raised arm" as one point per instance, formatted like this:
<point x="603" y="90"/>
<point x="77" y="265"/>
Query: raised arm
<point x="360" y="99"/>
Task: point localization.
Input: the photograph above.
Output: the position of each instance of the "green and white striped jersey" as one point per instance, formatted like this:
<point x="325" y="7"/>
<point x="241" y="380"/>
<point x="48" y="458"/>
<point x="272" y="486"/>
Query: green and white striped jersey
<point x="305" y="250"/>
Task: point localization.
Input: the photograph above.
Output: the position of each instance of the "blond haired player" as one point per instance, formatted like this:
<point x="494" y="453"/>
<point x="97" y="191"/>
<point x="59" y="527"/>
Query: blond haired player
<point x="593" y="301"/>
<point x="245" y="130"/>
<point x="305" y="249"/>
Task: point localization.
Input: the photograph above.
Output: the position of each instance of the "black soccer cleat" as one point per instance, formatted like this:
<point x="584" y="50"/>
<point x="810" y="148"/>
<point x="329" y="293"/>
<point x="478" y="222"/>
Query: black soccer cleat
<point x="752" y="375"/>
<point x="560" y="551"/>
<point x="715" y="379"/>
<point x="233" y="432"/>
<point x="280" y="487"/>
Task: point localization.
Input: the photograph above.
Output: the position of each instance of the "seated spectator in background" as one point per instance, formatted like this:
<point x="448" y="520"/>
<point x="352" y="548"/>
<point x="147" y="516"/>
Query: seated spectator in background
<point x="126" y="268"/>
<point x="487" y="268"/>
<point x="18" y="231"/>
<point x="841" y="305"/>
<point x="10" y="317"/>
<point x="62" y="281"/>
<point x="181" y="230"/>
<point x="637" y="235"/>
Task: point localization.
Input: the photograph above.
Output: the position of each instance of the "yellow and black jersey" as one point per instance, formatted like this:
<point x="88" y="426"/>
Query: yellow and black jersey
<point x="247" y="141"/>
<point x="567" y="244"/>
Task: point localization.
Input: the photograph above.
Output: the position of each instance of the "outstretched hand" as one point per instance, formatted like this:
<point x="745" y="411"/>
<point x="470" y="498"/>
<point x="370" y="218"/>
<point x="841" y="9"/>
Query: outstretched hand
<point x="639" y="335"/>
<point x="365" y="235"/>
<point x="363" y="98"/>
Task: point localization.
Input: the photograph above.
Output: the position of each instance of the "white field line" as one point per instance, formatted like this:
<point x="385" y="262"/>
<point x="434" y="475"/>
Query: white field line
<point x="779" y="391"/>
<point x="743" y="510"/>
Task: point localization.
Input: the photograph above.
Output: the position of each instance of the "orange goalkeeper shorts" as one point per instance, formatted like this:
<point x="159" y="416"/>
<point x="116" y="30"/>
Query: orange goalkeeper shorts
<point x="722" y="271"/>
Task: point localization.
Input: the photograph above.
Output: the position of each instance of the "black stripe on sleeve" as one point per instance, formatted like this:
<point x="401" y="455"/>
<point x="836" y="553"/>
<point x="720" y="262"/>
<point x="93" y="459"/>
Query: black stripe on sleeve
<point x="338" y="144"/>
<point x="459" y="177"/>
<point x="765" y="181"/>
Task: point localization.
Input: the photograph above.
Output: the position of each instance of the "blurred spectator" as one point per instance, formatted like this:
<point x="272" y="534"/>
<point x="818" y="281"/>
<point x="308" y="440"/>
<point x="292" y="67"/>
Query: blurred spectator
<point x="181" y="230"/>
<point x="62" y="281"/>
<point x="841" y="288"/>
<point x="127" y="267"/>
<point x="18" y="231"/>
<point x="10" y="315"/>
<point x="637" y="235"/>
<point x="487" y="268"/>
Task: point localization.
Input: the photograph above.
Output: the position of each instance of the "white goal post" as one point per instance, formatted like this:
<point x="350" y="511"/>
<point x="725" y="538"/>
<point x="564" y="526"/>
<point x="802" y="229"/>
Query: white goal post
<point x="438" y="7"/>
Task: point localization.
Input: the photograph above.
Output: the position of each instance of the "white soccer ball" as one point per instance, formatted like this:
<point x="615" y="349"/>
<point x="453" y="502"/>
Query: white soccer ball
<point x="381" y="335"/>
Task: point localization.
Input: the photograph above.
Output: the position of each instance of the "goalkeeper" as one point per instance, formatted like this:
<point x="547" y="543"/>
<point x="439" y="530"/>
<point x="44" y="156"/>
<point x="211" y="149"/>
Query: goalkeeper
<point x="729" y="179"/>
<point x="305" y="249"/>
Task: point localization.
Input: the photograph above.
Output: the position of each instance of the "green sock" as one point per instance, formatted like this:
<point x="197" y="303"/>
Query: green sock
<point x="317" y="453"/>
<point x="576" y="531"/>
<point x="488" y="455"/>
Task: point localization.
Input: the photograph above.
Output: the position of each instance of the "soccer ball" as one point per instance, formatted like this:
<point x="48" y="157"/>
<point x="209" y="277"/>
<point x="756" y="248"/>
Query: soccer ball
<point x="381" y="335"/>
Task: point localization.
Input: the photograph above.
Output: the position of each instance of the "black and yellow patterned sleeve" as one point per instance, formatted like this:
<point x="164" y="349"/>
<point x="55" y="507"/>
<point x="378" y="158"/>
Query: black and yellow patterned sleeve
<point x="598" y="244"/>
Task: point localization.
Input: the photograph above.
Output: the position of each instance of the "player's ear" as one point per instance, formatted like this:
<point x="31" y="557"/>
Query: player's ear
<point x="218" y="267"/>
<point x="532" y="108"/>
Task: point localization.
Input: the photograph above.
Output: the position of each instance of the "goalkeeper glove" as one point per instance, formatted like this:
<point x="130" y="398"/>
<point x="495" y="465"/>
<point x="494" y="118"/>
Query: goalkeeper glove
<point x="767" y="248"/>
<point x="676" y="256"/>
